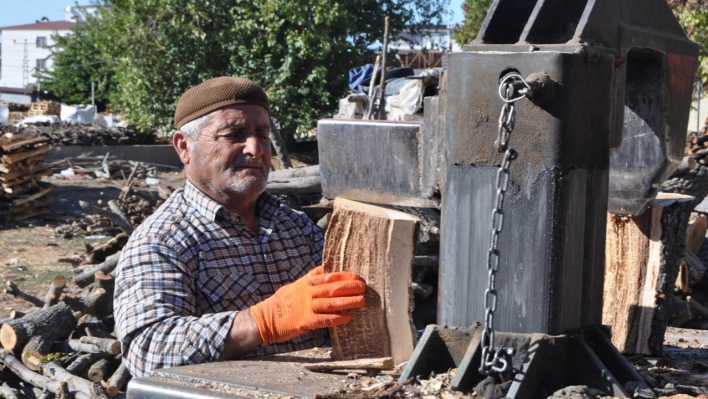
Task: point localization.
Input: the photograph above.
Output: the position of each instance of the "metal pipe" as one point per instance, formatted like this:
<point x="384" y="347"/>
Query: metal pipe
<point x="382" y="87"/>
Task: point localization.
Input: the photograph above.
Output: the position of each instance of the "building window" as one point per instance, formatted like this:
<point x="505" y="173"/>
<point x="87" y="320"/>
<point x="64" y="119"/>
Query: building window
<point x="41" y="64"/>
<point x="41" y="41"/>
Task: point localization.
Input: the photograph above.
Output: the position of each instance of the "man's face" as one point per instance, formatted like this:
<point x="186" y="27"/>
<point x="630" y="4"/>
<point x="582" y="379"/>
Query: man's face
<point x="230" y="160"/>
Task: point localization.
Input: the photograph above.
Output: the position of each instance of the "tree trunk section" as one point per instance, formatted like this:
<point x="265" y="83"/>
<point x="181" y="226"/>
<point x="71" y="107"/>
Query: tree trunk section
<point x="377" y="244"/>
<point x="643" y="254"/>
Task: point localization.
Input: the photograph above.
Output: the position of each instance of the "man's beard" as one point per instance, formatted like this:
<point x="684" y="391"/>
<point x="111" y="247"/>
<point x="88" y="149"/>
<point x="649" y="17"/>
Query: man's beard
<point x="251" y="185"/>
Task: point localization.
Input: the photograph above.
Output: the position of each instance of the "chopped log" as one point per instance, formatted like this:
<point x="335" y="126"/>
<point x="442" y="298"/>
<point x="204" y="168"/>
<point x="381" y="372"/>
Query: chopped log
<point x="99" y="371"/>
<point x="382" y="363"/>
<point x="12" y="158"/>
<point x="88" y="276"/>
<point x="643" y="254"/>
<point x="56" y="287"/>
<point x="103" y="251"/>
<point x="696" y="268"/>
<point x="306" y="171"/>
<point x="697" y="307"/>
<point x="13" y="290"/>
<point x="75" y="345"/>
<point x="96" y="302"/>
<point x="43" y="327"/>
<point x="128" y="183"/>
<point x="117" y="380"/>
<point x="302" y="185"/>
<point x="110" y="346"/>
<point x="58" y="373"/>
<point x="30" y="376"/>
<point x="83" y="362"/>
<point x="697" y="234"/>
<point x="680" y="310"/>
<point x="40" y="193"/>
<point x="115" y="208"/>
<point x="7" y="392"/>
<point x="377" y="244"/>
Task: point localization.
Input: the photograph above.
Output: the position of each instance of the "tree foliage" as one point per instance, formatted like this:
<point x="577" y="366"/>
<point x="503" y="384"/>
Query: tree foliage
<point x="299" y="51"/>
<point x="475" y="12"/>
<point x="693" y="17"/>
<point x="77" y="63"/>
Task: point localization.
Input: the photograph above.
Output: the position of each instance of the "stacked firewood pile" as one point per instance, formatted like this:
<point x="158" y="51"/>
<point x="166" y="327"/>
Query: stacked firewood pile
<point x="44" y="108"/>
<point x="65" y="344"/>
<point x="23" y="195"/>
<point x="690" y="303"/>
<point x="697" y="146"/>
<point x="18" y="112"/>
<point x="87" y="134"/>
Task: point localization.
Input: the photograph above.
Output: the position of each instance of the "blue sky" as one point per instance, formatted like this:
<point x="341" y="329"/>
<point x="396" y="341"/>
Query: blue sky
<point x="20" y="12"/>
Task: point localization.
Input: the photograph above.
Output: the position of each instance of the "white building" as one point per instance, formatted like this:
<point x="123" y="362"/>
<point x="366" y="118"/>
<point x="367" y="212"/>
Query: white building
<point x="425" y="48"/>
<point x="25" y="51"/>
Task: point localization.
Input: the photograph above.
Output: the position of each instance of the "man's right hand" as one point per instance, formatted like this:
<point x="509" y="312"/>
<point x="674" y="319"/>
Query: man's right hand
<point x="309" y="303"/>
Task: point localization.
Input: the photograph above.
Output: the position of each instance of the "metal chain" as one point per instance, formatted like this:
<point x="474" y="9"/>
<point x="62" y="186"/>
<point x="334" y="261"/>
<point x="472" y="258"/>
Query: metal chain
<point x="498" y="360"/>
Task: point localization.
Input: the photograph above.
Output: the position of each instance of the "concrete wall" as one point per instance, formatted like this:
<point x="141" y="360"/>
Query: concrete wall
<point x="13" y="54"/>
<point x="15" y="98"/>
<point x="162" y="154"/>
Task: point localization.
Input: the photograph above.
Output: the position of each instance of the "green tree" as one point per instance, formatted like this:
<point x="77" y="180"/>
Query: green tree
<point x="299" y="51"/>
<point x="77" y="63"/>
<point x="475" y="12"/>
<point x="693" y="17"/>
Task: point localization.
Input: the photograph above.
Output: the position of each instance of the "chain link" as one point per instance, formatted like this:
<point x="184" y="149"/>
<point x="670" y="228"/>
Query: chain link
<point x="498" y="360"/>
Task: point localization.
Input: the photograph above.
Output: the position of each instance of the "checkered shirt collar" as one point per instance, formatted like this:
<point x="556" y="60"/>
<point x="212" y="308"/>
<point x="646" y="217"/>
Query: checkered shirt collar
<point x="267" y="204"/>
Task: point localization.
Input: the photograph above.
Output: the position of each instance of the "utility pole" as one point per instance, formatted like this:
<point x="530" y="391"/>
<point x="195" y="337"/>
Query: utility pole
<point x="25" y="65"/>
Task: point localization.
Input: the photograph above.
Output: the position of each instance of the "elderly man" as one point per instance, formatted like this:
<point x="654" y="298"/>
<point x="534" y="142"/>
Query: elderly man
<point x="222" y="270"/>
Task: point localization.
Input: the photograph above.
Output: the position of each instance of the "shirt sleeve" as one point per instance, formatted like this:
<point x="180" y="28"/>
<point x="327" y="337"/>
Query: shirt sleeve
<point x="155" y="307"/>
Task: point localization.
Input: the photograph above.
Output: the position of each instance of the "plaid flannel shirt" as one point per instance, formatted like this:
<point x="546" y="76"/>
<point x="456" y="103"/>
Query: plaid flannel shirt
<point x="192" y="265"/>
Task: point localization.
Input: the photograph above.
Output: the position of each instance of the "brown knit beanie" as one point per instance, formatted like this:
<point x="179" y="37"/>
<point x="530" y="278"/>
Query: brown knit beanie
<point x="215" y="93"/>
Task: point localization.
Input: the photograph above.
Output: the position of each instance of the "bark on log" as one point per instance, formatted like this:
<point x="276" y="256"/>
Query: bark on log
<point x="31" y="377"/>
<point x="696" y="268"/>
<point x="110" y="346"/>
<point x="680" y="310"/>
<point x="99" y="371"/>
<point x="117" y="380"/>
<point x="303" y="185"/>
<point x="75" y="383"/>
<point x="46" y="326"/>
<point x="12" y="289"/>
<point x="83" y="362"/>
<point x="643" y="254"/>
<point x="115" y="208"/>
<point x="103" y="251"/>
<point x="7" y="392"/>
<point x="87" y="277"/>
<point x="90" y="326"/>
<point x="377" y="244"/>
<point x="55" y="322"/>
<point x="306" y="171"/>
<point x="96" y="302"/>
<point x="124" y="225"/>
<point x="697" y="307"/>
<point x="74" y="345"/>
<point x="62" y="390"/>
<point x="383" y="363"/>
<point x="56" y="287"/>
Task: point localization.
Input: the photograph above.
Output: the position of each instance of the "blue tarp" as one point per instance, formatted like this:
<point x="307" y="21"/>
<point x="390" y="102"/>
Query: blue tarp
<point x="360" y="77"/>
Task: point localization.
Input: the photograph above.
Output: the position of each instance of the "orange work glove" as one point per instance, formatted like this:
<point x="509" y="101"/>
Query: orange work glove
<point x="308" y="304"/>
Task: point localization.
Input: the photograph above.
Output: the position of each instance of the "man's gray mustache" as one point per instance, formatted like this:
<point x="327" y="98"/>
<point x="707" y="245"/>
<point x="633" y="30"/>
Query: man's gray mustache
<point x="247" y="161"/>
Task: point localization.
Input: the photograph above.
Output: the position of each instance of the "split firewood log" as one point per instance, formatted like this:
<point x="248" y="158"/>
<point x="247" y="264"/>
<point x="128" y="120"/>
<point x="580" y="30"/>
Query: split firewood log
<point x="117" y="380"/>
<point x="39" y="330"/>
<point x="85" y="278"/>
<point x="12" y="289"/>
<point x="110" y="346"/>
<point x="38" y="380"/>
<point x="56" y="287"/>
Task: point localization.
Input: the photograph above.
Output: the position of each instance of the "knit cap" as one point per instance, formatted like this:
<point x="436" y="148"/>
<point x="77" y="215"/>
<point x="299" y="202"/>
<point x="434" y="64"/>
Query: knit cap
<point x="215" y="93"/>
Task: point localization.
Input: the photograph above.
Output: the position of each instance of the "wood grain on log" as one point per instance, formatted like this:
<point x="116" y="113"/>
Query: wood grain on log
<point x="56" y="287"/>
<point x="697" y="234"/>
<point x="696" y="268"/>
<point x="382" y="363"/>
<point x="12" y="158"/>
<point x="377" y="244"/>
<point x="643" y="254"/>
